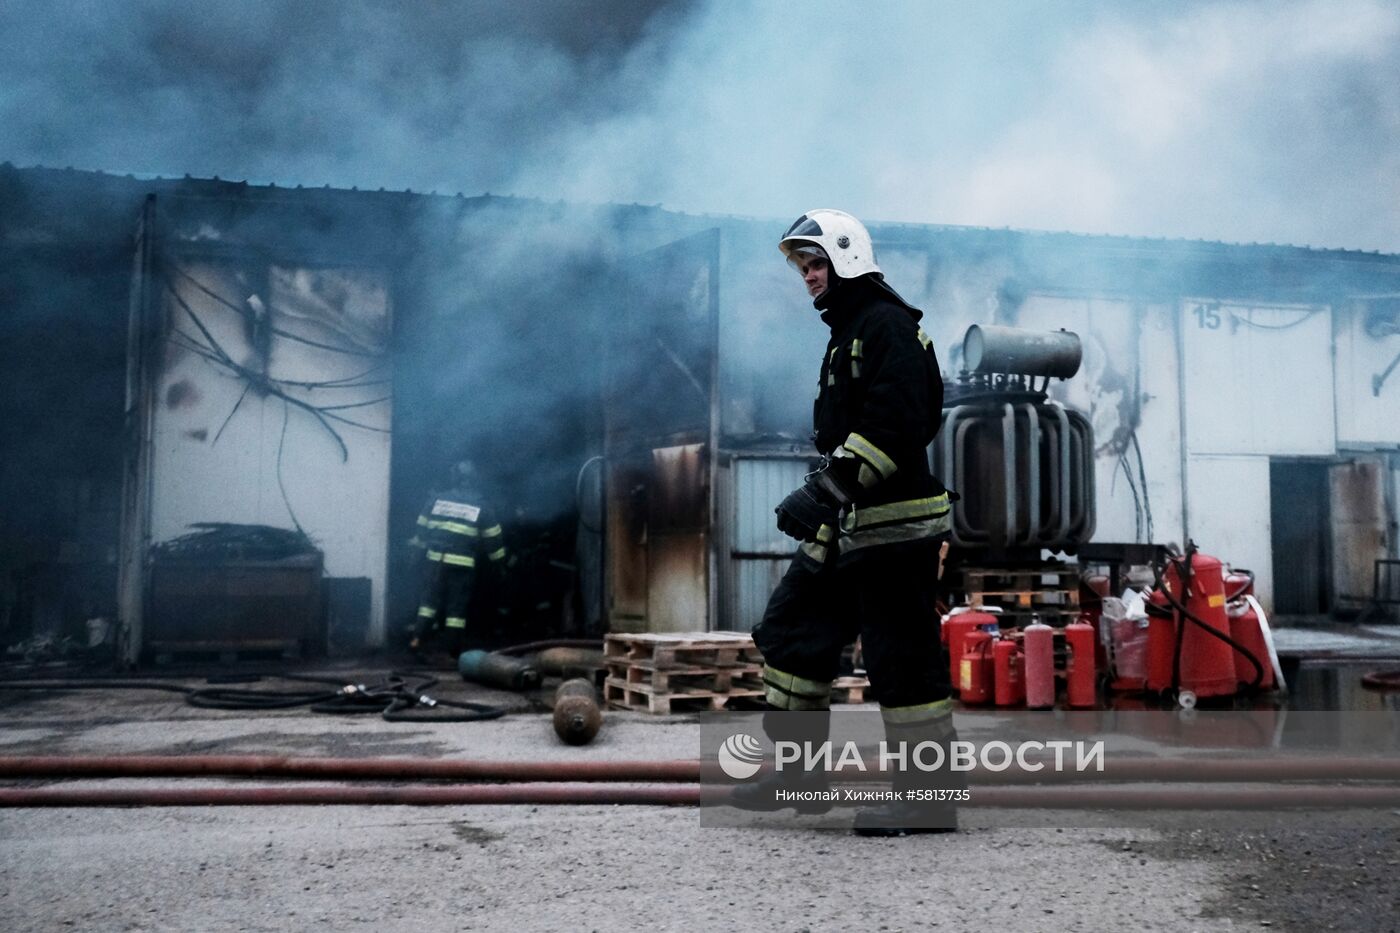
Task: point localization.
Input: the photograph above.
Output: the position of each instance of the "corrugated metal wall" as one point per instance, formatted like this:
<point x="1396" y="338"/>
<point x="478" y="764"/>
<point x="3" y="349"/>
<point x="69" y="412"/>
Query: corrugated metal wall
<point x="755" y="553"/>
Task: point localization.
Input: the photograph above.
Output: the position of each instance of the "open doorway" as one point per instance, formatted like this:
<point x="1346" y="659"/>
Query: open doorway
<point x="1300" y="518"/>
<point x="1330" y="523"/>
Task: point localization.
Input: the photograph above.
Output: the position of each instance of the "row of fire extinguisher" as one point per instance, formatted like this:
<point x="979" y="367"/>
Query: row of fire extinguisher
<point x="1203" y="635"/>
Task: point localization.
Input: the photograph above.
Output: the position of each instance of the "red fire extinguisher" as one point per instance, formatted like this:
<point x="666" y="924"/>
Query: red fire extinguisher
<point x="975" y="682"/>
<point x="1161" y="642"/>
<point x="1009" y="672"/>
<point x="1081" y="680"/>
<point x="1093" y="588"/>
<point x="955" y="630"/>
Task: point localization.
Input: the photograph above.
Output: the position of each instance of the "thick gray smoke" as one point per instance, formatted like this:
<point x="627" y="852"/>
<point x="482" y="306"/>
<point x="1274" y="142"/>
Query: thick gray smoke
<point x="1261" y="120"/>
<point x="433" y="95"/>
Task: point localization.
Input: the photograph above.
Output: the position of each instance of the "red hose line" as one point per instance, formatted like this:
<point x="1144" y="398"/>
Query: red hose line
<point x="346" y="768"/>
<point x="1182" y="798"/>
<point x="1167" y="770"/>
<point x="1050" y="798"/>
<point x="355" y="795"/>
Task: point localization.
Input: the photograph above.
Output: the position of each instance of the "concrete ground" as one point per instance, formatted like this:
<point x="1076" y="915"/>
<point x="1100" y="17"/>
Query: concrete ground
<point x="622" y="868"/>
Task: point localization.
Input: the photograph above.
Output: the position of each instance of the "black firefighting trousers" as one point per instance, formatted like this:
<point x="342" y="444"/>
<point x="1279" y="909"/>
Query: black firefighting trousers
<point x="888" y="597"/>
<point x="443" y="602"/>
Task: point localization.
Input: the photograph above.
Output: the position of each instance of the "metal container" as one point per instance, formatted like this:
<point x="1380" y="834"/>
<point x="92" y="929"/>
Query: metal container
<point x="235" y="605"/>
<point x="988" y="348"/>
<point x="497" y="670"/>
<point x="1024" y="467"/>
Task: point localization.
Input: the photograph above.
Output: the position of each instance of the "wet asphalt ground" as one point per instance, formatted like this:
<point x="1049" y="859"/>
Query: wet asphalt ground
<point x="624" y="868"/>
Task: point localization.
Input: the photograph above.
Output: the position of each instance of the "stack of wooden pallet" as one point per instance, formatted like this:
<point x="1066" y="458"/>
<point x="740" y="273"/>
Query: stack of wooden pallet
<point x="663" y="674"/>
<point x="1050" y="592"/>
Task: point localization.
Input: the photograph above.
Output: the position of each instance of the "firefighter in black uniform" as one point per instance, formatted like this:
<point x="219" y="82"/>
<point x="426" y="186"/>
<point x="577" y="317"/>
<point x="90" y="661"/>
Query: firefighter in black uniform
<point x="463" y="551"/>
<point x="873" y="520"/>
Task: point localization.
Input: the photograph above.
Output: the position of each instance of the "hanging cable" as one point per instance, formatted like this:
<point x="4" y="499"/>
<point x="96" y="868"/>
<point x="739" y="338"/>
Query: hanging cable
<point x="288" y="335"/>
<point x="1137" y="505"/>
<point x="1142" y="475"/>
<point x="1248" y="322"/>
<point x="281" y="444"/>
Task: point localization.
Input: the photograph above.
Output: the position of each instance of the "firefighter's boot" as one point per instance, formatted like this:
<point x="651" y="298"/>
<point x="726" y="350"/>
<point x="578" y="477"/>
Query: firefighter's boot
<point x="806" y="791"/>
<point x="927" y="797"/>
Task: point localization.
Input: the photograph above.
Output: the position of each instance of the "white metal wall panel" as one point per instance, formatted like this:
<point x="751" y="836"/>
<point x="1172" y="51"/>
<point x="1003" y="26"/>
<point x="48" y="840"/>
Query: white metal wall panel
<point x="1258" y="379"/>
<point x="1129" y="375"/>
<point x="1230" y="515"/>
<point x="267" y="445"/>
<point x="1159" y="434"/>
<point x="1365" y="417"/>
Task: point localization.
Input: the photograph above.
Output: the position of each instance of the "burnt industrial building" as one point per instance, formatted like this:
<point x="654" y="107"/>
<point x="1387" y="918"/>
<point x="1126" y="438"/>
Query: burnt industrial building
<point x="636" y="384"/>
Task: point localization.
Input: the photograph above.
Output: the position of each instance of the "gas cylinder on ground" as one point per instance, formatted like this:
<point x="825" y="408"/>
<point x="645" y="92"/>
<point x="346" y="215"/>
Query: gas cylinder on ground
<point x="577" y="717"/>
<point x="497" y="670"/>
<point x="1245" y="629"/>
<point x="1081" y="677"/>
<point x="955" y="628"/>
<point x="975" y="677"/>
<point x="1008" y="672"/>
<point x="1207" y="662"/>
<point x="1039" y="640"/>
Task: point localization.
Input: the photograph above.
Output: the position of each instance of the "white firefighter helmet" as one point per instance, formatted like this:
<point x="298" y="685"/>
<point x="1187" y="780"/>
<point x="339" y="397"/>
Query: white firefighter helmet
<point x="844" y="239"/>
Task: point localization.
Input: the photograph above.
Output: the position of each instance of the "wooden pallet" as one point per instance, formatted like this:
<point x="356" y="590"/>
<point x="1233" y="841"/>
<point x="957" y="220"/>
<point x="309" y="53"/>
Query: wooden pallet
<point x="662" y="652"/>
<point x="1061" y="576"/>
<point x="620" y="694"/>
<point x="1050" y="592"/>
<point x="1025" y="599"/>
<point x="664" y="673"/>
<point x="849" y="689"/>
<point x="719" y="680"/>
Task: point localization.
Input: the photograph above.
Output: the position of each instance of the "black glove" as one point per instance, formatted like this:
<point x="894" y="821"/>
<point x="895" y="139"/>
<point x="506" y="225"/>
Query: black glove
<point x="804" y="511"/>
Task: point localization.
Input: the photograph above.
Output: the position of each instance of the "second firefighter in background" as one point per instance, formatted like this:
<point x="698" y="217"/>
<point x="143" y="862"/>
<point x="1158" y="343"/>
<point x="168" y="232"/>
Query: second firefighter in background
<point x="463" y="551"/>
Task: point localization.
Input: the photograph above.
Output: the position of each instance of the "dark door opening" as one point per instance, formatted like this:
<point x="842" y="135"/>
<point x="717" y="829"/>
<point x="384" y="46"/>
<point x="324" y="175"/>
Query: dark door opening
<point x="1300" y="514"/>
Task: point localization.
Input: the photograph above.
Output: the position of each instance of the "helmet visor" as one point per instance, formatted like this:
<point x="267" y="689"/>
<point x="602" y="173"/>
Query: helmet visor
<point x="803" y="226"/>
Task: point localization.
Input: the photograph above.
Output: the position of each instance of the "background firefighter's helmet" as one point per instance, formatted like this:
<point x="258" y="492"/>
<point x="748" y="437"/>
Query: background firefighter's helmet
<point x="844" y="239"/>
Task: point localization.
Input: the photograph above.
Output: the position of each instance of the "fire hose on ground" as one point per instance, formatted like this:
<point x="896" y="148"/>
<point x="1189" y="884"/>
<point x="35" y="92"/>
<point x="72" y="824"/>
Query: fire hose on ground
<point x="671" y="783"/>
<point x="398" y="697"/>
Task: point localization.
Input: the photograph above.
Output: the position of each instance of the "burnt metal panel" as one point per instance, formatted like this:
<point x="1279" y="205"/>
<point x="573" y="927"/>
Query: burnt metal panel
<point x="627" y="485"/>
<point x="1357" y="499"/>
<point x="678" y="546"/>
<point x="660" y="416"/>
<point x="135" y="537"/>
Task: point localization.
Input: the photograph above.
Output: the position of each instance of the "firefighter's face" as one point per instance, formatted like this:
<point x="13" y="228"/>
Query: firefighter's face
<point x="814" y="270"/>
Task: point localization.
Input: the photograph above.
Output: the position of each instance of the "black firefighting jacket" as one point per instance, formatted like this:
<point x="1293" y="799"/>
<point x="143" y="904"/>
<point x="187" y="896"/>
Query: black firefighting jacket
<point x="458" y="531"/>
<point x="879" y="403"/>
